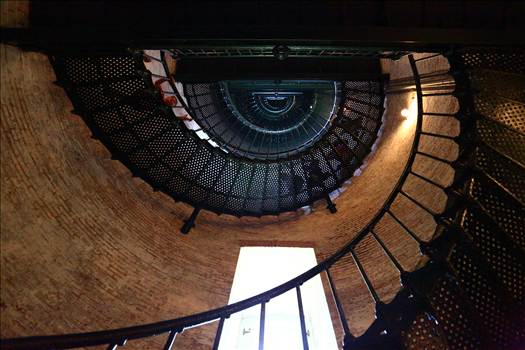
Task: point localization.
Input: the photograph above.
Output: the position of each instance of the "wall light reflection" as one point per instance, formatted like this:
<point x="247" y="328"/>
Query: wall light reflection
<point x="410" y="113"/>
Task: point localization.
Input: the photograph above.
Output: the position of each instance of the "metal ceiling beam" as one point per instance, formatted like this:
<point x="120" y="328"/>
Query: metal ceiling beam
<point x="202" y="70"/>
<point x="92" y="38"/>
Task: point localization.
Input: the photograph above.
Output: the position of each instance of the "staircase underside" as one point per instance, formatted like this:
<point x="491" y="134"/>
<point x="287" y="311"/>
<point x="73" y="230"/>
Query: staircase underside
<point x="116" y="98"/>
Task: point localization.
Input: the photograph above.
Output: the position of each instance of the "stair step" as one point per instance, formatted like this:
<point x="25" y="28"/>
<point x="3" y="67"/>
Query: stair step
<point x="484" y="294"/>
<point x="456" y="317"/>
<point x="503" y="208"/>
<point x="502" y="170"/>
<point x="500" y="83"/>
<point x="499" y="108"/>
<point x="504" y="258"/>
<point x="502" y="139"/>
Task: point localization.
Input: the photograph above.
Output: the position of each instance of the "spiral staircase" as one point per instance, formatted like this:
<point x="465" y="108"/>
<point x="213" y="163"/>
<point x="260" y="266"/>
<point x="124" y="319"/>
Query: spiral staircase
<point x="229" y="170"/>
<point x="468" y="292"/>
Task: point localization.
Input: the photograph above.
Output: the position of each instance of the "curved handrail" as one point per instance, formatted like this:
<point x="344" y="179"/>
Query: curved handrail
<point x="121" y="335"/>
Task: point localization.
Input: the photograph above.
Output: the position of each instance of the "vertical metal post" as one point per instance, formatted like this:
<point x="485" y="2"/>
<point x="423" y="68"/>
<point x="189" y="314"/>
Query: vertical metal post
<point x="190" y="223"/>
<point x="340" y="310"/>
<point x="171" y="340"/>
<point x="261" y="326"/>
<point x="217" y="340"/>
<point x="330" y="205"/>
<point x="388" y="253"/>
<point x="114" y="346"/>
<point x="301" y="318"/>
<point x="369" y="285"/>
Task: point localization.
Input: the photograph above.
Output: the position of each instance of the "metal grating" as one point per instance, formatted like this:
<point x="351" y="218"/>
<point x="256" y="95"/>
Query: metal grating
<point x="502" y="138"/>
<point x="481" y="292"/>
<point x="504" y="259"/>
<point x="502" y="109"/>
<point x="225" y="125"/>
<point x="509" y="214"/>
<point x="511" y="62"/>
<point x="113" y="95"/>
<point x="511" y="86"/>
<point x="424" y="333"/>
<point x="502" y="170"/>
<point x="461" y="332"/>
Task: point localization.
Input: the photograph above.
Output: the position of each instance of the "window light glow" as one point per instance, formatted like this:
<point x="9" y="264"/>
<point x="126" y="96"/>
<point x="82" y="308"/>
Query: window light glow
<point x="262" y="268"/>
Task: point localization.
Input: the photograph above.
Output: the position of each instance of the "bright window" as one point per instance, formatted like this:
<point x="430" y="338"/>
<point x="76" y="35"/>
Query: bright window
<point x="262" y="268"/>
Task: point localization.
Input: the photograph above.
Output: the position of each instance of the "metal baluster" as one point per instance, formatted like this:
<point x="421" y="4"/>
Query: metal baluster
<point x="427" y="57"/>
<point x="170" y="340"/>
<point x="371" y="289"/>
<point x="412" y="234"/>
<point x="246" y="135"/>
<point x="306" y="181"/>
<point x="498" y="183"/>
<point x="438" y="135"/>
<point x="218" y="334"/>
<point x="252" y="143"/>
<point x="339" y="306"/>
<point x="327" y="160"/>
<point x="435" y="158"/>
<point x="232" y="185"/>
<point x="387" y="251"/>
<point x="427" y="180"/>
<point x="218" y="138"/>
<point x="433" y="94"/>
<point x="190" y="222"/>
<point x="143" y="144"/>
<point x="345" y="143"/>
<point x="173" y="172"/>
<point x="301" y="318"/>
<point x="188" y="186"/>
<point x="437" y="114"/>
<point x="129" y="126"/>
<point x="114" y="346"/>
<point x="261" y="326"/>
<point x="417" y="203"/>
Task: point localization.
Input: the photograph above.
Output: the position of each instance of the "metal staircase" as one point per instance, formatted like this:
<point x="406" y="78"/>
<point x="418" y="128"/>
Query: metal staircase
<point x="469" y="293"/>
<point x="251" y="173"/>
